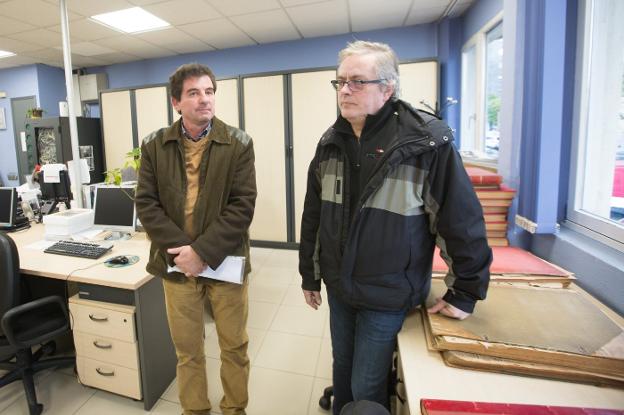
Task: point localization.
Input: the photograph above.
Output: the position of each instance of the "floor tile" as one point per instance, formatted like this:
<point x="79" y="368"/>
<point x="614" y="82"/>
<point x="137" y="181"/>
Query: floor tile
<point x="299" y="320"/>
<point x="289" y="352"/>
<point x="259" y="256"/>
<point x="215" y="389"/>
<point x="324" y="365"/>
<point x="284" y="258"/>
<point x="105" y="403"/>
<point x="261" y="315"/>
<point x="317" y="391"/>
<point x="274" y="392"/>
<point x="276" y="275"/>
<point x="268" y="293"/>
<point x="163" y="407"/>
<point x="60" y="395"/>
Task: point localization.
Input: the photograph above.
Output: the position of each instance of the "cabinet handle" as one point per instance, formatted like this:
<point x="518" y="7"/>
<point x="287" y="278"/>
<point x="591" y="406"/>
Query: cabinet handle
<point x="98" y="319"/>
<point x="101" y="372"/>
<point x="102" y="346"/>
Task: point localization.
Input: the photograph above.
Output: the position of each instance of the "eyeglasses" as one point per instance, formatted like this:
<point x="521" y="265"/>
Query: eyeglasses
<point x="354" y="84"/>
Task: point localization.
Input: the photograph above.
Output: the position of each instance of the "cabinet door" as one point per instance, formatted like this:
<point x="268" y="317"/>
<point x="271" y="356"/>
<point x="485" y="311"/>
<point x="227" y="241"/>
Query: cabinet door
<point x="226" y="106"/>
<point x="264" y="121"/>
<point x="419" y="82"/>
<point x="116" y="127"/>
<point x="152" y="110"/>
<point x="313" y="111"/>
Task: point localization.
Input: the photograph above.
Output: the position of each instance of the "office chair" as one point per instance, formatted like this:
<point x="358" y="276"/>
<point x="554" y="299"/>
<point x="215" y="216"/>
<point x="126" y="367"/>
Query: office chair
<point x="27" y="324"/>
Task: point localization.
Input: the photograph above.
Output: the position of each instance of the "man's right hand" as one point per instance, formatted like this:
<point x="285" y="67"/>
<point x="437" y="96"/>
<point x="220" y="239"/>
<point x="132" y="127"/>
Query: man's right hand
<point x="313" y="298"/>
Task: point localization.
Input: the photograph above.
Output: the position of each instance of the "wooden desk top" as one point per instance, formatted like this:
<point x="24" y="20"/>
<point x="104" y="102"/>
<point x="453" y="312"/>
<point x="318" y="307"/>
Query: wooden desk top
<point x="92" y="271"/>
<point x="426" y="376"/>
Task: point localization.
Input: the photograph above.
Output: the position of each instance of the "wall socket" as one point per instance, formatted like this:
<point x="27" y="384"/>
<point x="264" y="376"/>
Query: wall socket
<point x="12" y="176"/>
<point x="526" y="224"/>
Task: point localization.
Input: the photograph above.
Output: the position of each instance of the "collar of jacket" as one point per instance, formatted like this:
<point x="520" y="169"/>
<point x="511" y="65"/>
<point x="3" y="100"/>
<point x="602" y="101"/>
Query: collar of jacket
<point x="412" y="124"/>
<point x="218" y="132"/>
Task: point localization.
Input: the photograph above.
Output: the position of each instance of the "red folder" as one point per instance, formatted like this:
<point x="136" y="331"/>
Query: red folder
<point x="447" y="407"/>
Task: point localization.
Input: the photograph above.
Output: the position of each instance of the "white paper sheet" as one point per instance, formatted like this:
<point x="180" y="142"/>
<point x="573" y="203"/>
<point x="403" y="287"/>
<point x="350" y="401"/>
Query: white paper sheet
<point x="232" y="269"/>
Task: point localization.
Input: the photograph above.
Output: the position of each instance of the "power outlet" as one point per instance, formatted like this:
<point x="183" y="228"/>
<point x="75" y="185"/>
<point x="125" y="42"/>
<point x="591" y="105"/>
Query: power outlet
<point x="526" y="224"/>
<point x="12" y="176"/>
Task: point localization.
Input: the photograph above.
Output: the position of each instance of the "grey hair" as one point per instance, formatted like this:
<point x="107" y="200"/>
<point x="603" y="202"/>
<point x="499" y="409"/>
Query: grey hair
<point x="386" y="61"/>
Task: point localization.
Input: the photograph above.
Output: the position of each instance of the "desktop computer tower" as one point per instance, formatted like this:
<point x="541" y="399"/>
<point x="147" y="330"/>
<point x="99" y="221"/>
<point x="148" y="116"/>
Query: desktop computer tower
<point x="53" y="143"/>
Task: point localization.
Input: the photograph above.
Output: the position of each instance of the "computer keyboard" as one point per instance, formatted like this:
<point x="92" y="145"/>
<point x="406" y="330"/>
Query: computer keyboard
<point x="79" y="249"/>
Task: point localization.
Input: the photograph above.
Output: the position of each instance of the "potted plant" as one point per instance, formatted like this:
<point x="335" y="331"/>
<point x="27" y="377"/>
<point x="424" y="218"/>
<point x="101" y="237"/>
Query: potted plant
<point x="35" y="112"/>
<point x="133" y="161"/>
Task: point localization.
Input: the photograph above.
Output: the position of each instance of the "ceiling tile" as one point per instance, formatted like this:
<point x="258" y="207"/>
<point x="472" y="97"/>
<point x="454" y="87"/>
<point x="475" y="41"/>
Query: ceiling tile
<point x="134" y="46"/>
<point x="236" y="7"/>
<point x="320" y="19"/>
<point x="41" y="37"/>
<point x="89" y="49"/>
<point x="117" y="57"/>
<point x="368" y="15"/>
<point x="46" y="54"/>
<point x="175" y="39"/>
<point x="9" y="26"/>
<point x="90" y="8"/>
<point x="79" y="61"/>
<point x="16" y="61"/>
<point x="36" y="12"/>
<point x="424" y="15"/>
<point x="267" y="27"/>
<point x="460" y="8"/>
<point x="87" y="30"/>
<point x="179" y="12"/>
<point x="144" y="2"/>
<point x="219" y="33"/>
<point x="16" y="46"/>
<point x="291" y="3"/>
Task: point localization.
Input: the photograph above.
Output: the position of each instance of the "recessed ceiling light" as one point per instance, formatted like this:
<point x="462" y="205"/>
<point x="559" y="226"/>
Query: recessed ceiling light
<point x="6" y="54"/>
<point x="133" y="20"/>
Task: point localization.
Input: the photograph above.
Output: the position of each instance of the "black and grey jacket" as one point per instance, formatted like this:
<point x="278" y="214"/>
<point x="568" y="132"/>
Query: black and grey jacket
<point x="418" y="195"/>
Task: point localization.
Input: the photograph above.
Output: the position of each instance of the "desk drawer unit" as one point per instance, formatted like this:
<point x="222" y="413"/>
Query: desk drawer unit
<point x="107" y="355"/>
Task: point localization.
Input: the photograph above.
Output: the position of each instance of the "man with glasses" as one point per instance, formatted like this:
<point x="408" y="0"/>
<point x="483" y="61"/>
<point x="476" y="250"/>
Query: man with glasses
<point x="385" y="186"/>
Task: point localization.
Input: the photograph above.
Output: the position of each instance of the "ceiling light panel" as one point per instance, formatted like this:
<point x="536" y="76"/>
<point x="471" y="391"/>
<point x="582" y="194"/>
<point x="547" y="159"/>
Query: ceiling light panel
<point x="133" y="20"/>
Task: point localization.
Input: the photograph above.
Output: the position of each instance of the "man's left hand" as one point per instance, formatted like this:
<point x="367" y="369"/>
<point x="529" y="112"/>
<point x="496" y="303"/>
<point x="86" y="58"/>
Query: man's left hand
<point x="187" y="260"/>
<point x="448" y="310"/>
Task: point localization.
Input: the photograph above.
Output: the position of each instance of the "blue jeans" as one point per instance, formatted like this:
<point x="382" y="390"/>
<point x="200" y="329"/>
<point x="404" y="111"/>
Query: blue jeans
<point x="363" y="342"/>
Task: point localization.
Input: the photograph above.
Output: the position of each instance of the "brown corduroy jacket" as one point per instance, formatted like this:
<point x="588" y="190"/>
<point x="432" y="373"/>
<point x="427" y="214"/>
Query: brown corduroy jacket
<point x="225" y="203"/>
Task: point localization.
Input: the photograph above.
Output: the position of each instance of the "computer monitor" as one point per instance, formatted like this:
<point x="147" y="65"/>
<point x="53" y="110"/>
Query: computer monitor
<point x="53" y="193"/>
<point x="8" y="206"/>
<point x="114" y="208"/>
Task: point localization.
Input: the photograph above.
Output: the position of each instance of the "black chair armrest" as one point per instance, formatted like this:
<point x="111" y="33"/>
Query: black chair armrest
<point x="16" y="312"/>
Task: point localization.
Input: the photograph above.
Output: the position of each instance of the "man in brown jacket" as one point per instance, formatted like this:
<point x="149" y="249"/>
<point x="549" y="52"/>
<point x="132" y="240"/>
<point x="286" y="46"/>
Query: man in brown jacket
<point x="195" y="198"/>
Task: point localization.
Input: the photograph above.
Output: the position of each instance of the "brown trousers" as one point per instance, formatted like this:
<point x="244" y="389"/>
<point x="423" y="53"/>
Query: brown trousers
<point x="185" y="314"/>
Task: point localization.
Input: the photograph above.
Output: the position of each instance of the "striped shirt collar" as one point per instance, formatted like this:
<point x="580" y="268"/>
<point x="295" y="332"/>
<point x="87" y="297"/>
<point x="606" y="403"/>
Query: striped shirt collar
<point x="203" y="134"/>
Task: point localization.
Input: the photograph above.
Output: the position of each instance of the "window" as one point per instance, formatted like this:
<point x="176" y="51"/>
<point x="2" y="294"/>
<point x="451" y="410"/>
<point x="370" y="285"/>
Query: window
<point x="597" y="187"/>
<point x="482" y="70"/>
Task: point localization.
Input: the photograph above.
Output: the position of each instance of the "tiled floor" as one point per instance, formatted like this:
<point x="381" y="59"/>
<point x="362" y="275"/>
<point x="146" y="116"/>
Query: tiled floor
<point x="289" y="348"/>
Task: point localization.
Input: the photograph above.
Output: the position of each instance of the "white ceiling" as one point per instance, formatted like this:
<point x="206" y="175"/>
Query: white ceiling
<point x="32" y="29"/>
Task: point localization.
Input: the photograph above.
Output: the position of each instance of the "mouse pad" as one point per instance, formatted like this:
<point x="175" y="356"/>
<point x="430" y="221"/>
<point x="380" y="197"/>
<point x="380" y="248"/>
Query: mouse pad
<point x="132" y="259"/>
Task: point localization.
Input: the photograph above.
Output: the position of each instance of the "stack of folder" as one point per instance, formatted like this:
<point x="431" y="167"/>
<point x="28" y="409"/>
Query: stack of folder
<point x="515" y="265"/>
<point x="495" y="198"/>
<point x="452" y="407"/>
<point x="532" y="331"/>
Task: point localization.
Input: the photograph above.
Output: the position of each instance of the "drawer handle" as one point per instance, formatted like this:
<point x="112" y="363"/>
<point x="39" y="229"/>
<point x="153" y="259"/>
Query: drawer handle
<point x="98" y="319"/>
<point x="101" y="372"/>
<point x="102" y="345"/>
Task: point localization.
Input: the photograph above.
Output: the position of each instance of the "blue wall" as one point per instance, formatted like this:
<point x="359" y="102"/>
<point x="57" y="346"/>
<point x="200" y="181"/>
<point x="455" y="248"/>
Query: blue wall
<point x="51" y="82"/>
<point x="449" y="55"/>
<point x="481" y="12"/>
<point x="16" y="82"/>
<point x="414" y="42"/>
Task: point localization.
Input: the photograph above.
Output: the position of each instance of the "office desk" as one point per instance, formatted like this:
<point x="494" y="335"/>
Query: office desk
<point x="426" y="376"/>
<point x="156" y="354"/>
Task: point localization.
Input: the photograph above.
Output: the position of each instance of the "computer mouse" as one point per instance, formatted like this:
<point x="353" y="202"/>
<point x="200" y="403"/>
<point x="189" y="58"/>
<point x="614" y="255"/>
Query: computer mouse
<point x="119" y="260"/>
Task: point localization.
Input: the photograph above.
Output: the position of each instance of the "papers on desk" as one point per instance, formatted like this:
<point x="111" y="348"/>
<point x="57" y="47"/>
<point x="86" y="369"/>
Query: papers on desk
<point x="232" y="269"/>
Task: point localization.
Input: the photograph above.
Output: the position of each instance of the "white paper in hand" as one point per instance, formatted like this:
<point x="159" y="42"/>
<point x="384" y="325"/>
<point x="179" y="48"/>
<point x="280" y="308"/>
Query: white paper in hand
<point x="232" y="269"/>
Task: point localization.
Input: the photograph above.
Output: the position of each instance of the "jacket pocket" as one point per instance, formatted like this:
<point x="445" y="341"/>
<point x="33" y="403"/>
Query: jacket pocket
<point x="384" y="292"/>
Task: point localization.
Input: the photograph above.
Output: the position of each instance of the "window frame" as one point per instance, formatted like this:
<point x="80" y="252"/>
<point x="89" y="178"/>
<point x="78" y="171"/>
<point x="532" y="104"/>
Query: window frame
<point x="478" y="41"/>
<point x="587" y="223"/>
